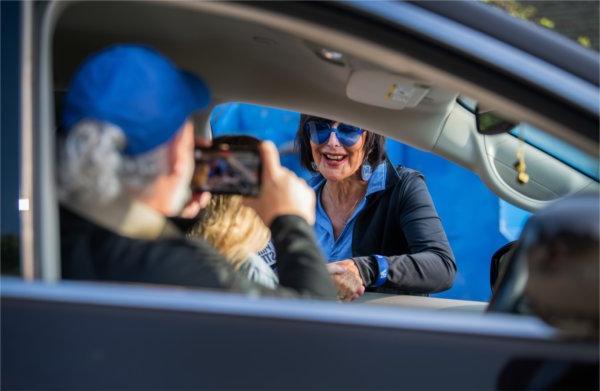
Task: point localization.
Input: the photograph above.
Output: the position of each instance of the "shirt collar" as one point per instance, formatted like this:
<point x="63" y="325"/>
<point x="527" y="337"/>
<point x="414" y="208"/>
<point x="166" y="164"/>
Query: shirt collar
<point x="127" y="217"/>
<point x="378" y="179"/>
<point x="316" y="181"/>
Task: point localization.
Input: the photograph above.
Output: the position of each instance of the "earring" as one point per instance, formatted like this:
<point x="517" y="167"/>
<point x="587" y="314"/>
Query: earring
<point x="365" y="172"/>
<point x="313" y="165"/>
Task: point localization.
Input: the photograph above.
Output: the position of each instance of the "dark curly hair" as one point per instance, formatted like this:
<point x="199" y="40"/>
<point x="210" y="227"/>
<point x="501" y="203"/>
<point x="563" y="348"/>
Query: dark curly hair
<point x="374" y="146"/>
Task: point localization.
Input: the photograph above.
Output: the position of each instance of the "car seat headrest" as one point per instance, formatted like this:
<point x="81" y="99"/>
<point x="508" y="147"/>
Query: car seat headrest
<point x="553" y="270"/>
<point x="560" y="244"/>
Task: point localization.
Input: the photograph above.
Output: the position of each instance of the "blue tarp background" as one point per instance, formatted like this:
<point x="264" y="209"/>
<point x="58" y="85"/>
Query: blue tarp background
<point x="476" y="221"/>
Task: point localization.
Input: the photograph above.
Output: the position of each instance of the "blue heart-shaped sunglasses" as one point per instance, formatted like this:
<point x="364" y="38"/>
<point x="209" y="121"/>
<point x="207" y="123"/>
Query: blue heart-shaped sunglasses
<point x="319" y="131"/>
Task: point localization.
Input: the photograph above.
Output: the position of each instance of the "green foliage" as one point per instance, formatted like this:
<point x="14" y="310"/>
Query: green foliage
<point x="532" y="13"/>
<point x="514" y="8"/>
<point x="584" y="41"/>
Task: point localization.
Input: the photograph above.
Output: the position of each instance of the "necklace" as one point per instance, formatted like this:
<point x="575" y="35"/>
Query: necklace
<point x="339" y="216"/>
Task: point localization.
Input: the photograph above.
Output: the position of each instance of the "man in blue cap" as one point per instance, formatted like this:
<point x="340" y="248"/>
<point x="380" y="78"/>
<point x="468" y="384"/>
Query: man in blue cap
<point x="125" y="166"/>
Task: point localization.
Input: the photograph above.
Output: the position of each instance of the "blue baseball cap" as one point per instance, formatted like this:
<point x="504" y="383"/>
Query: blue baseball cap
<point x="137" y="89"/>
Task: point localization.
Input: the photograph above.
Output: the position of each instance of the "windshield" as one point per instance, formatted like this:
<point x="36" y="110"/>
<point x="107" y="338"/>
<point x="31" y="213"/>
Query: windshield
<point x="568" y="154"/>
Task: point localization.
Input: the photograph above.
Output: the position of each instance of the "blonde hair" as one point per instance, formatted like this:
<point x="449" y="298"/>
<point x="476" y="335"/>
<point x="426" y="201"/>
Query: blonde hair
<point x="233" y="229"/>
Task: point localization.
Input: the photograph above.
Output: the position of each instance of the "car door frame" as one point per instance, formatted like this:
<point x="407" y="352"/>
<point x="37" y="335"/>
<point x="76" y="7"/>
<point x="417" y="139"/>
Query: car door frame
<point x="110" y="336"/>
<point x="40" y="224"/>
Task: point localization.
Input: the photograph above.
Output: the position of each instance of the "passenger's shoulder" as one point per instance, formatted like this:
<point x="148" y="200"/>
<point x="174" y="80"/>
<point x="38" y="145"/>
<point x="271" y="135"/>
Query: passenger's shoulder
<point x="192" y="246"/>
<point x="168" y="254"/>
<point x="180" y="261"/>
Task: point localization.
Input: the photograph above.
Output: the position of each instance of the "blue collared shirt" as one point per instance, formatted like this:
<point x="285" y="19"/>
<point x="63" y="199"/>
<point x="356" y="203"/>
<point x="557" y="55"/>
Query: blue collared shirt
<point x="335" y="250"/>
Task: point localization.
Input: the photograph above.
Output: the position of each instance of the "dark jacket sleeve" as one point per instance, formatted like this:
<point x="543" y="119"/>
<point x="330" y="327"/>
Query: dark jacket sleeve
<point x="91" y="252"/>
<point x="300" y="263"/>
<point x="429" y="264"/>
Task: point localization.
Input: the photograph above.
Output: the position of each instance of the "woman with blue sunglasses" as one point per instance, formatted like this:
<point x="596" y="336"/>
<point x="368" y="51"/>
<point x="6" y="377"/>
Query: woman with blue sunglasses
<point x="376" y="224"/>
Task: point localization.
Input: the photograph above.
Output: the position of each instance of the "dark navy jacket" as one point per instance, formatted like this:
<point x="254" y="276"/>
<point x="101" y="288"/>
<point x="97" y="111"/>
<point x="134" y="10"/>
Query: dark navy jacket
<point x="93" y="252"/>
<point x="402" y="224"/>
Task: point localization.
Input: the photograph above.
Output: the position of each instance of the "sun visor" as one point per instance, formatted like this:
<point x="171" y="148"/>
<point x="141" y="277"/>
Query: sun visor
<point x="385" y="90"/>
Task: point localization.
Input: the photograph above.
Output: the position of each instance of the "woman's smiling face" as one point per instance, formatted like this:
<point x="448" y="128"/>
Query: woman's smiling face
<point x="335" y="161"/>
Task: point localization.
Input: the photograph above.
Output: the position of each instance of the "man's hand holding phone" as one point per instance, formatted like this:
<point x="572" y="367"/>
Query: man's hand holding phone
<point x="281" y="192"/>
<point x="226" y="168"/>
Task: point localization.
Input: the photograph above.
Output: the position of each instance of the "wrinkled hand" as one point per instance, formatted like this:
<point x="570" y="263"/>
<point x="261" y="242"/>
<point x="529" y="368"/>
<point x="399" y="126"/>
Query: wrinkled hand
<point x="347" y="279"/>
<point x="282" y="192"/>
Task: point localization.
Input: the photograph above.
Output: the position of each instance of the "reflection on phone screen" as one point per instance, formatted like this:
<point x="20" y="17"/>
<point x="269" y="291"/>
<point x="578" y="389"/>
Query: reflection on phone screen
<point x="227" y="171"/>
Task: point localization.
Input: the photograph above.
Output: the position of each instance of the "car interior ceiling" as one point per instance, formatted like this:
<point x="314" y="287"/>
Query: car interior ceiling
<point x="244" y="61"/>
<point x="248" y="61"/>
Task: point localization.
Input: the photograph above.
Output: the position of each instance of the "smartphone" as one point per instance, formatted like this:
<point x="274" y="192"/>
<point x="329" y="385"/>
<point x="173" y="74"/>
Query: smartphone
<point x="227" y="169"/>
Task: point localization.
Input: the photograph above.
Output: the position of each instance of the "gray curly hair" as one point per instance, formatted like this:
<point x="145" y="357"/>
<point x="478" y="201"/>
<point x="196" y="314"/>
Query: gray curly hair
<point x="93" y="170"/>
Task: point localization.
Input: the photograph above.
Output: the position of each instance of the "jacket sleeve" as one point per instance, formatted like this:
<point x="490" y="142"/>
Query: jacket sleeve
<point x="301" y="265"/>
<point x="429" y="265"/>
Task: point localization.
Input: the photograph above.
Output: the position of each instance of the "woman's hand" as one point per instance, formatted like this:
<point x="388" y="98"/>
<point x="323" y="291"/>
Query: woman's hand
<point x="347" y="279"/>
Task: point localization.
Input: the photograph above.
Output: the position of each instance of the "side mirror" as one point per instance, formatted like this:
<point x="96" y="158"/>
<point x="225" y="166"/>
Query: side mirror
<point x="490" y="123"/>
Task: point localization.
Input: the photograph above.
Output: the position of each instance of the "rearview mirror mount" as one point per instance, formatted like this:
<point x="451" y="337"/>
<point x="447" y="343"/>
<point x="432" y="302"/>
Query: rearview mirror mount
<point x="490" y="123"/>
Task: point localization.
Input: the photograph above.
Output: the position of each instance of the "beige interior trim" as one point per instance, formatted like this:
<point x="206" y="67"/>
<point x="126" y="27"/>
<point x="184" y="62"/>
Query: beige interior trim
<point x="492" y="158"/>
<point x="429" y="303"/>
<point x="381" y="56"/>
<point x="251" y="55"/>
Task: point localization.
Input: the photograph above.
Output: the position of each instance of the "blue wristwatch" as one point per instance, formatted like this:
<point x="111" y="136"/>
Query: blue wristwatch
<point x="383" y="267"/>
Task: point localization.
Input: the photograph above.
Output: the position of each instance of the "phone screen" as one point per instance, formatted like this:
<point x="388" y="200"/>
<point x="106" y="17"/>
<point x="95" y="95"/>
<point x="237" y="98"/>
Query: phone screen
<point x="227" y="169"/>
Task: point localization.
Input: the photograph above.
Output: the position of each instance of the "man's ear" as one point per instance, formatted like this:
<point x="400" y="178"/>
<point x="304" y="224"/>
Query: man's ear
<point x="180" y="149"/>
